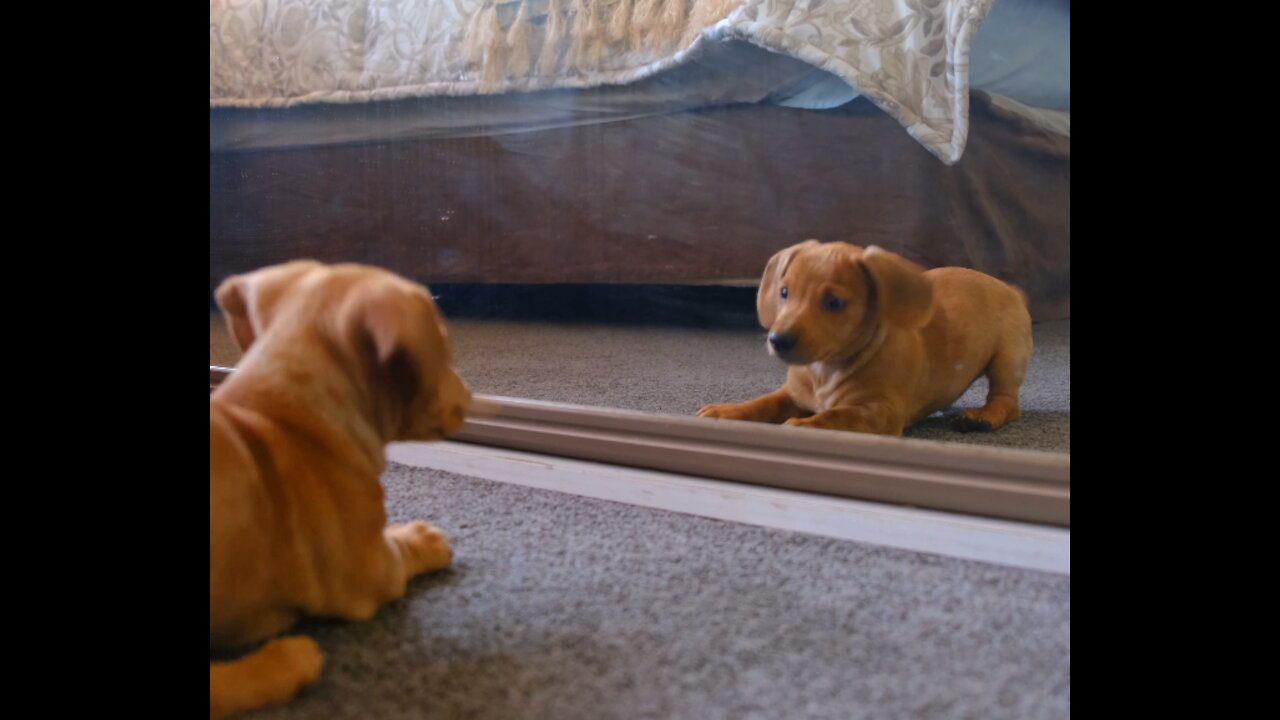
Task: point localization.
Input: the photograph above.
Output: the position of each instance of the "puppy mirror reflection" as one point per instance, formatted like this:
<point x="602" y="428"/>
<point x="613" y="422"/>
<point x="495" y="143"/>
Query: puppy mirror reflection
<point x="873" y="343"/>
<point x="673" y="350"/>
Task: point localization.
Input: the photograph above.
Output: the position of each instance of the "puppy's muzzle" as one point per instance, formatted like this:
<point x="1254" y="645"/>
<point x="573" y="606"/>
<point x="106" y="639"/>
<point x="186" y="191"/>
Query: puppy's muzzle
<point x="456" y="398"/>
<point x="783" y="345"/>
<point x="454" y="417"/>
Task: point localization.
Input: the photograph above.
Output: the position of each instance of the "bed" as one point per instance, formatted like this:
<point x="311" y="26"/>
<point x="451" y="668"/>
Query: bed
<point x="640" y="141"/>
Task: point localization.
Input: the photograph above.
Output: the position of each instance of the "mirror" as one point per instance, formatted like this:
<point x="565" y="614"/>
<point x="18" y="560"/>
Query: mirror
<point x="593" y="195"/>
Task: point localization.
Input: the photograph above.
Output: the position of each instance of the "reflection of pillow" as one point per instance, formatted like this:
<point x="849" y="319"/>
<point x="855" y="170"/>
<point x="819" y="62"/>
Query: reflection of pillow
<point x="1023" y="51"/>
<point x="817" y="90"/>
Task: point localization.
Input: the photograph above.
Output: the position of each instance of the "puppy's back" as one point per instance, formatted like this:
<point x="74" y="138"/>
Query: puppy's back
<point x="240" y="525"/>
<point x="969" y="291"/>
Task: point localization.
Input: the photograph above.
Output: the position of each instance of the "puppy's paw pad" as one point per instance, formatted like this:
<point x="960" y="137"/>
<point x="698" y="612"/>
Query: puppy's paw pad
<point x="301" y="655"/>
<point x="429" y="543"/>
<point x="968" y="423"/>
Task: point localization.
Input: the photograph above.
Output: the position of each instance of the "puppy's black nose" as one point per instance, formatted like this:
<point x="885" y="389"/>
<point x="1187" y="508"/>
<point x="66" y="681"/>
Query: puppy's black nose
<point x="782" y="343"/>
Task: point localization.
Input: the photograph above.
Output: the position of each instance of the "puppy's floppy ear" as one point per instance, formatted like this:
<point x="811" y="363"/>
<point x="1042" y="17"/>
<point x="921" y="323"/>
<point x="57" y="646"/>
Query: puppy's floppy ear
<point x="770" y="282"/>
<point x="904" y="294"/>
<point x="231" y="299"/>
<point x="384" y="320"/>
<point x="248" y="301"/>
<point x="384" y="324"/>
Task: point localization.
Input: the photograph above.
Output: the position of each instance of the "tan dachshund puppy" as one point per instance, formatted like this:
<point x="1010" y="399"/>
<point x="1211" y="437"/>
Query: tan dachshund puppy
<point x="340" y="360"/>
<point x="875" y="344"/>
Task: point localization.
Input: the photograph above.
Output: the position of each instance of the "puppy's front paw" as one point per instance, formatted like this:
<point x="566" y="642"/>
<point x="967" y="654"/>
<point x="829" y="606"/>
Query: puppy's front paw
<point x="426" y="547"/>
<point x="272" y="675"/>
<point x="971" y="421"/>
<point x="301" y="656"/>
<point x="728" y="411"/>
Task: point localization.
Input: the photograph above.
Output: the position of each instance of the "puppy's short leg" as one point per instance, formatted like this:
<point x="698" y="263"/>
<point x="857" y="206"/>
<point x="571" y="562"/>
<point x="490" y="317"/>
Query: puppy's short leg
<point x="406" y="551"/>
<point x="271" y="675"/>
<point x="421" y="547"/>
<point x="775" y="407"/>
<point x="879" y="418"/>
<point x="1004" y="376"/>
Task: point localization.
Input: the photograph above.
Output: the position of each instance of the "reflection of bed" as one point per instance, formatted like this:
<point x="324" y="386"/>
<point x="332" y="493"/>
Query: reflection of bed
<point x="691" y="169"/>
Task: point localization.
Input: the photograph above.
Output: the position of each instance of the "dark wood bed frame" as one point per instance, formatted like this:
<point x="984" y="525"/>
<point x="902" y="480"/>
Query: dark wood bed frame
<point x="688" y="198"/>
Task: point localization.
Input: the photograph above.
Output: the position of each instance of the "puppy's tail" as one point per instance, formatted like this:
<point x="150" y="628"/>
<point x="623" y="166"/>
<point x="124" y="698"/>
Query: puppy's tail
<point x="271" y="675"/>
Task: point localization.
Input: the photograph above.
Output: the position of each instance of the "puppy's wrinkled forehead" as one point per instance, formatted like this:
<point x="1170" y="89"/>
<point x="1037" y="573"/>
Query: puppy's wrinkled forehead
<point x="827" y="263"/>
<point x="351" y="280"/>
<point x="409" y="298"/>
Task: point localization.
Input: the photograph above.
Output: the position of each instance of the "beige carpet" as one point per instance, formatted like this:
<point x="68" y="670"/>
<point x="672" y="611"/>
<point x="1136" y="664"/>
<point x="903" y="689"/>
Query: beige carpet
<point x="561" y="606"/>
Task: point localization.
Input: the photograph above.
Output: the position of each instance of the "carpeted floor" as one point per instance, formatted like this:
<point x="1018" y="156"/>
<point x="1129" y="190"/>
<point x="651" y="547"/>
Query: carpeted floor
<point x="560" y="606"/>
<point x="676" y="370"/>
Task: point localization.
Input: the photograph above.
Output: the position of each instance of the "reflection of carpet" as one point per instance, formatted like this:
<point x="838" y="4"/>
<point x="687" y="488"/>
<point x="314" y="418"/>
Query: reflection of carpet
<point x="677" y="370"/>
<point x="560" y="606"/>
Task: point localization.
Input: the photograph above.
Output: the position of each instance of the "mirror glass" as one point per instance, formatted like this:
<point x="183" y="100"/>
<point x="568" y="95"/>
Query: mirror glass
<point x="594" y="189"/>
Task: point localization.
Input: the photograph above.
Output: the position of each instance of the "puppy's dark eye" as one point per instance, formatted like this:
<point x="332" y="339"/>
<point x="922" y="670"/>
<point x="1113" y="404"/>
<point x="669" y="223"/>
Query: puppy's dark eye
<point x="784" y="293"/>
<point x="832" y="303"/>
